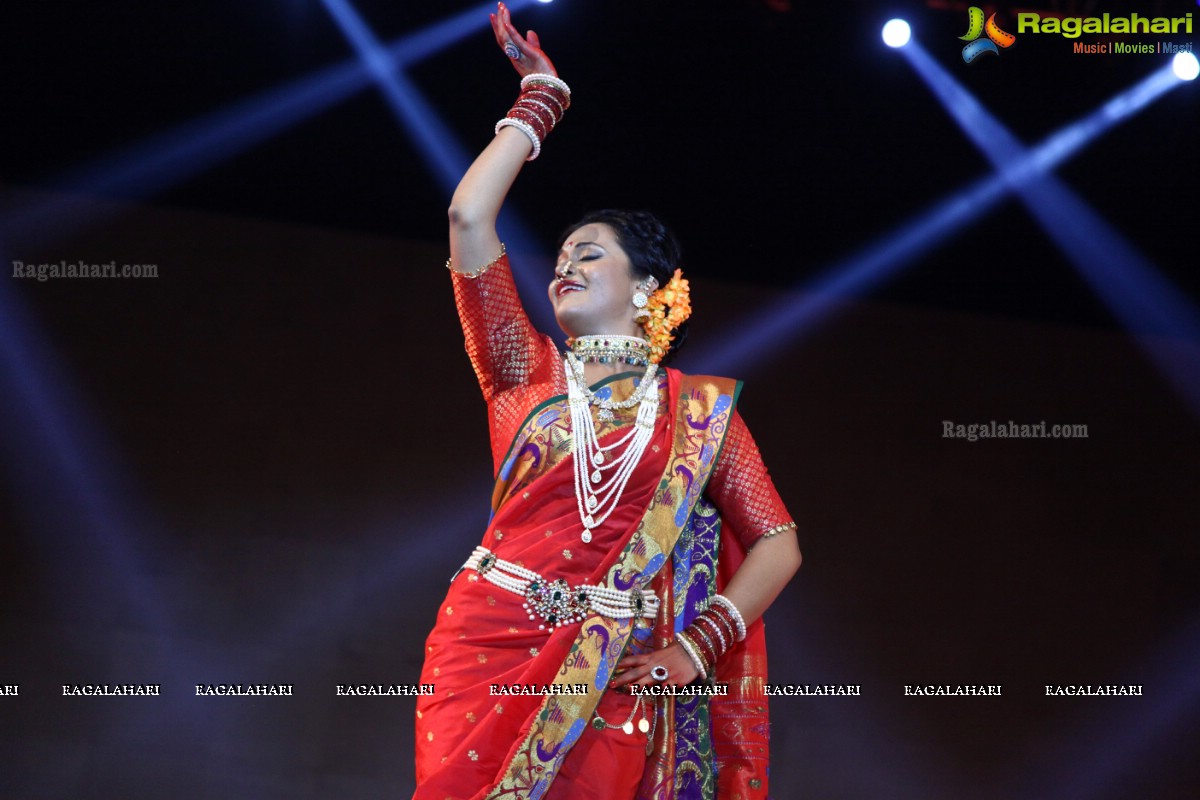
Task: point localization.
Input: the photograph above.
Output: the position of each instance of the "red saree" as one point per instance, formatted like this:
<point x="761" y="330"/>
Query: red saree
<point x="475" y="743"/>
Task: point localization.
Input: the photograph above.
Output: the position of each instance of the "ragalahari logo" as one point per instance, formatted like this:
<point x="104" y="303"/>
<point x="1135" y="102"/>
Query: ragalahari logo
<point x="976" y="27"/>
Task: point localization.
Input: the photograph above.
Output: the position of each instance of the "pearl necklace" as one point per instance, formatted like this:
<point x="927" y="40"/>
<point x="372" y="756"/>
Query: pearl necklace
<point x="596" y="500"/>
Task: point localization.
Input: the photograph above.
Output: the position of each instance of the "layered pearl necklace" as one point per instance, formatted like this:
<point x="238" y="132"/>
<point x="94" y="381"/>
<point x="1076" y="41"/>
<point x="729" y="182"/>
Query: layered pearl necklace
<point x="597" y="497"/>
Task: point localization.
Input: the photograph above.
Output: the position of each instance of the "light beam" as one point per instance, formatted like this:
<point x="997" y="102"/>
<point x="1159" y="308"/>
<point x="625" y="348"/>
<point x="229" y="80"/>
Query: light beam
<point x="1129" y="284"/>
<point x="782" y="324"/>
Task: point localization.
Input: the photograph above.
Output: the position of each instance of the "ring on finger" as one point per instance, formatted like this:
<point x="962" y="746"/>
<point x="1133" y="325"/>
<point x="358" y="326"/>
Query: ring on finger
<point x="512" y="51"/>
<point x="659" y="673"/>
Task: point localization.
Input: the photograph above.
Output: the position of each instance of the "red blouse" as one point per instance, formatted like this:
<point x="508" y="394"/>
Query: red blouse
<point x="518" y="369"/>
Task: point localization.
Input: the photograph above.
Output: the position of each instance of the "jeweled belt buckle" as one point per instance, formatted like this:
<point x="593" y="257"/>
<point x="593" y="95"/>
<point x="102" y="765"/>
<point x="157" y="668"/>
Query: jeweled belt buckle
<point x="555" y="602"/>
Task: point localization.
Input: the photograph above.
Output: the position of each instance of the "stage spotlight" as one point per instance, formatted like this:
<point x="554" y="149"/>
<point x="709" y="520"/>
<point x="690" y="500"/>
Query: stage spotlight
<point x="1136" y="293"/>
<point x="896" y="33"/>
<point x="1185" y="66"/>
<point x="785" y="322"/>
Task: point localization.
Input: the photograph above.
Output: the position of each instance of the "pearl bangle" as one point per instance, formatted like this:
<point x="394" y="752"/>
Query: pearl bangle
<point x="725" y="603"/>
<point x="689" y="648"/>
<point x="525" y="128"/>
<point x="546" y="80"/>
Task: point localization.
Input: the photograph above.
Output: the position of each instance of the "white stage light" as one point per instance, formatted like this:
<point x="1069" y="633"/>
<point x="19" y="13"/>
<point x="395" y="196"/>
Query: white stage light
<point x="1186" y="66"/>
<point x="896" y="33"/>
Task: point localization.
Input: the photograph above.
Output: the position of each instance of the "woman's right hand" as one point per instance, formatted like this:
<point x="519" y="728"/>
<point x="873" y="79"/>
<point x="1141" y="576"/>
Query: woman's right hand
<point x="531" y="59"/>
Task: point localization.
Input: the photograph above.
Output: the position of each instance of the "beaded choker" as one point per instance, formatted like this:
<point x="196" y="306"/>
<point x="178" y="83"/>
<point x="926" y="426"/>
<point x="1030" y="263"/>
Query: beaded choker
<point x="609" y="349"/>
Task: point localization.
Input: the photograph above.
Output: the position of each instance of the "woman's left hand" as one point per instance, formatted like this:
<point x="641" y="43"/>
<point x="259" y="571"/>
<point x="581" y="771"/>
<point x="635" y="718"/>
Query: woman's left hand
<point x="635" y="669"/>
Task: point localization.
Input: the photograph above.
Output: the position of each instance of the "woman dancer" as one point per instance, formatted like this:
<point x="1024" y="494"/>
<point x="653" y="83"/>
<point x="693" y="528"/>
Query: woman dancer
<point x="635" y="540"/>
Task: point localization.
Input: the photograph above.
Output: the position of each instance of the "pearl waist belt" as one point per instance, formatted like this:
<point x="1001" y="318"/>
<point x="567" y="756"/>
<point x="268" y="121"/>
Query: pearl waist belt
<point x="555" y="601"/>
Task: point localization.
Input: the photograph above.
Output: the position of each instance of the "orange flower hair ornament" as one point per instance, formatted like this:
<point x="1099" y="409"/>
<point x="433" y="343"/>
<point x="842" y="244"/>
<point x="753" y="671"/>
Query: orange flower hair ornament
<point x="668" y="307"/>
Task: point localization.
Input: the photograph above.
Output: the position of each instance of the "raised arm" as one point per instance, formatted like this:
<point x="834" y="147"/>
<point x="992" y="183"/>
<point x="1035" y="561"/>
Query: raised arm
<point x="475" y="206"/>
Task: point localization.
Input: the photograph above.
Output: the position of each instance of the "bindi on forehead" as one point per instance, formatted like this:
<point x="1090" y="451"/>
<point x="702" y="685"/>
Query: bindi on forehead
<point x="592" y="233"/>
<point x="569" y="248"/>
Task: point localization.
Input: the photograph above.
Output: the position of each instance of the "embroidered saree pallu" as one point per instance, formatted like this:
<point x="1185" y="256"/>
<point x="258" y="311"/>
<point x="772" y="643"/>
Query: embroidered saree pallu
<point x="702" y="416"/>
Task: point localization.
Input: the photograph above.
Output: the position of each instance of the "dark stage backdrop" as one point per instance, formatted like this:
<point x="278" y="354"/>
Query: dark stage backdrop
<point x="263" y="466"/>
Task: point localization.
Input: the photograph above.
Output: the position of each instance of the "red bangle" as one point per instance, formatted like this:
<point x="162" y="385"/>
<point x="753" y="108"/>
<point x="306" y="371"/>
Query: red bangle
<point x="532" y="113"/>
<point x="719" y="612"/>
<point x="704" y="641"/>
<point x="540" y="106"/>
<point x="550" y="97"/>
<point x="532" y="120"/>
<point x="716" y="629"/>
<point x="553" y="100"/>
<point x="731" y="613"/>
